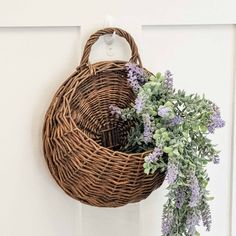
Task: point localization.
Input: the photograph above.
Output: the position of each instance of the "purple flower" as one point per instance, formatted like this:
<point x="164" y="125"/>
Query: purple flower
<point x="134" y="84"/>
<point x="175" y="121"/>
<point x="115" y="110"/>
<point x="168" y="81"/>
<point x="152" y="157"/>
<point x="135" y="69"/>
<point x="195" y="191"/>
<point x="172" y="172"/>
<point x="180" y="197"/>
<point x="206" y="216"/>
<point x="163" y="111"/>
<point x="215" y="108"/>
<point x="215" y="122"/>
<point x="167" y="220"/>
<point x="148" y="128"/>
<point x="192" y="221"/>
<point x="216" y="159"/>
<point x="139" y="103"/>
<point x="136" y="76"/>
<point x="211" y="128"/>
<point x="147" y="134"/>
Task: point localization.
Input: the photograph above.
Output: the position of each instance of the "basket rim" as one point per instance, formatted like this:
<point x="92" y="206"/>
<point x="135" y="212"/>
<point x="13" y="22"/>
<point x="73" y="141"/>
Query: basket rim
<point x="97" y="63"/>
<point x="75" y="128"/>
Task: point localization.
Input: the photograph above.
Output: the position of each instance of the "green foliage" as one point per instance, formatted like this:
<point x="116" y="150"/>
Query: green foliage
<point x="182" y="135"/>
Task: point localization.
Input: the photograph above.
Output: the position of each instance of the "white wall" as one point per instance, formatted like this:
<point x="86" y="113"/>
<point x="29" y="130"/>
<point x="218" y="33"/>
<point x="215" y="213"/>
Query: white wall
<point x="195" y="40"/>
<point x="34" y="62"/>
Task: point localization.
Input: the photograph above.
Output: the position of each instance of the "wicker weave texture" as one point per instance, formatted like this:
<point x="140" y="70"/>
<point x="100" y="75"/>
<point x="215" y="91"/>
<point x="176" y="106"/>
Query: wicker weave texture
<point x="81" y="139"/>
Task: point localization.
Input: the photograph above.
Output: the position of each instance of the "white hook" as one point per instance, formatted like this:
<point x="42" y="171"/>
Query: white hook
<point x="108" y="21"/>
<point x="109" y="39"/>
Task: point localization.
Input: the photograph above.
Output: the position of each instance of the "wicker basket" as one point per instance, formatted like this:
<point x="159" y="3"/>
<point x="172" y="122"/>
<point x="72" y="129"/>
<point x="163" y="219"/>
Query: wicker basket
<point x="81" y="138"/>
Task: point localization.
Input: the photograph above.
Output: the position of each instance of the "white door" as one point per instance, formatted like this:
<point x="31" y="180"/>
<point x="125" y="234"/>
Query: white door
<point x="40" y="46"/>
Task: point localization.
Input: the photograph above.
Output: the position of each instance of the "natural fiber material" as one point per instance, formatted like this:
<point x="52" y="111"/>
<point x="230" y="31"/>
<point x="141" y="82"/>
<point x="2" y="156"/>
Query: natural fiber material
<point x="81" y="138"/>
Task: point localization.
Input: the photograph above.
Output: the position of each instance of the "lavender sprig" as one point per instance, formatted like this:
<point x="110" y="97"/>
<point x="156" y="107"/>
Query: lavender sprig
<point x="168" y="82"/>
<point x="175" y="121"/>
<point x="193" y="219"/>
<point x="172" y="172"/>
<point x="195" y="191"/>
<point x="215" y="122"/>
<point x="163" y="111"/>
<point x="136" y="76"/>
<point x="148" y="128"/>
<point x="216" y="159"/>
<point x="180" y="197"/>
<point x="167" y="220"/>
<point x="206" y="216"/>
<point x="154" y="156"/>
<point x="139" y="103"/>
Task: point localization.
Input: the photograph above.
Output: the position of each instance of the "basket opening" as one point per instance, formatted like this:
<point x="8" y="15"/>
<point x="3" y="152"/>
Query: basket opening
<point x="111" y="138"/>
<point x="90" y="104"/>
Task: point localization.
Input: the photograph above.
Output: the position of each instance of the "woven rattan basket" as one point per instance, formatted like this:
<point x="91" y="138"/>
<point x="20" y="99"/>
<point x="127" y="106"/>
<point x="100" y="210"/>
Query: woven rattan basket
<point x="81" y="138"/>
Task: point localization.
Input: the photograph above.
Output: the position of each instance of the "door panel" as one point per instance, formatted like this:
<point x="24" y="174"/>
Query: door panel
<point x="34" y="62"/>
<point x="202" y="60"/>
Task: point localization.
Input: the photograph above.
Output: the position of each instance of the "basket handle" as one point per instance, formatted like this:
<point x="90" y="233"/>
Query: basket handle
<point x="135" y="58"/>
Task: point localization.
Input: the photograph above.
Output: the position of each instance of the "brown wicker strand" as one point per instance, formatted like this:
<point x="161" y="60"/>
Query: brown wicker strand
<point x="135" y="58"/>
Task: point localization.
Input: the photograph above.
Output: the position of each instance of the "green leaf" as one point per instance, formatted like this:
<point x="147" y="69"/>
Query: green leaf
<point x="152" y="78"/>
<point x="168" y="149"/>
<point x="203" y="128"/>
<point x="176" y="152"/>
<point x="185" y="134"/>
<point x="210" y="198"/>
<point x="158" y="75"/>
<point x="145" y="165"/>
<point x="147" y="171"/>
<point x="168" y="104"/>
<point x="154" y="168"/>
<point x="170" y="154"/>
<point x="181" y="175"/>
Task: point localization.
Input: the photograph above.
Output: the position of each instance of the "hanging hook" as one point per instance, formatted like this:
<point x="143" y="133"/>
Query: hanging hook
<point x="109" y="39"/>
